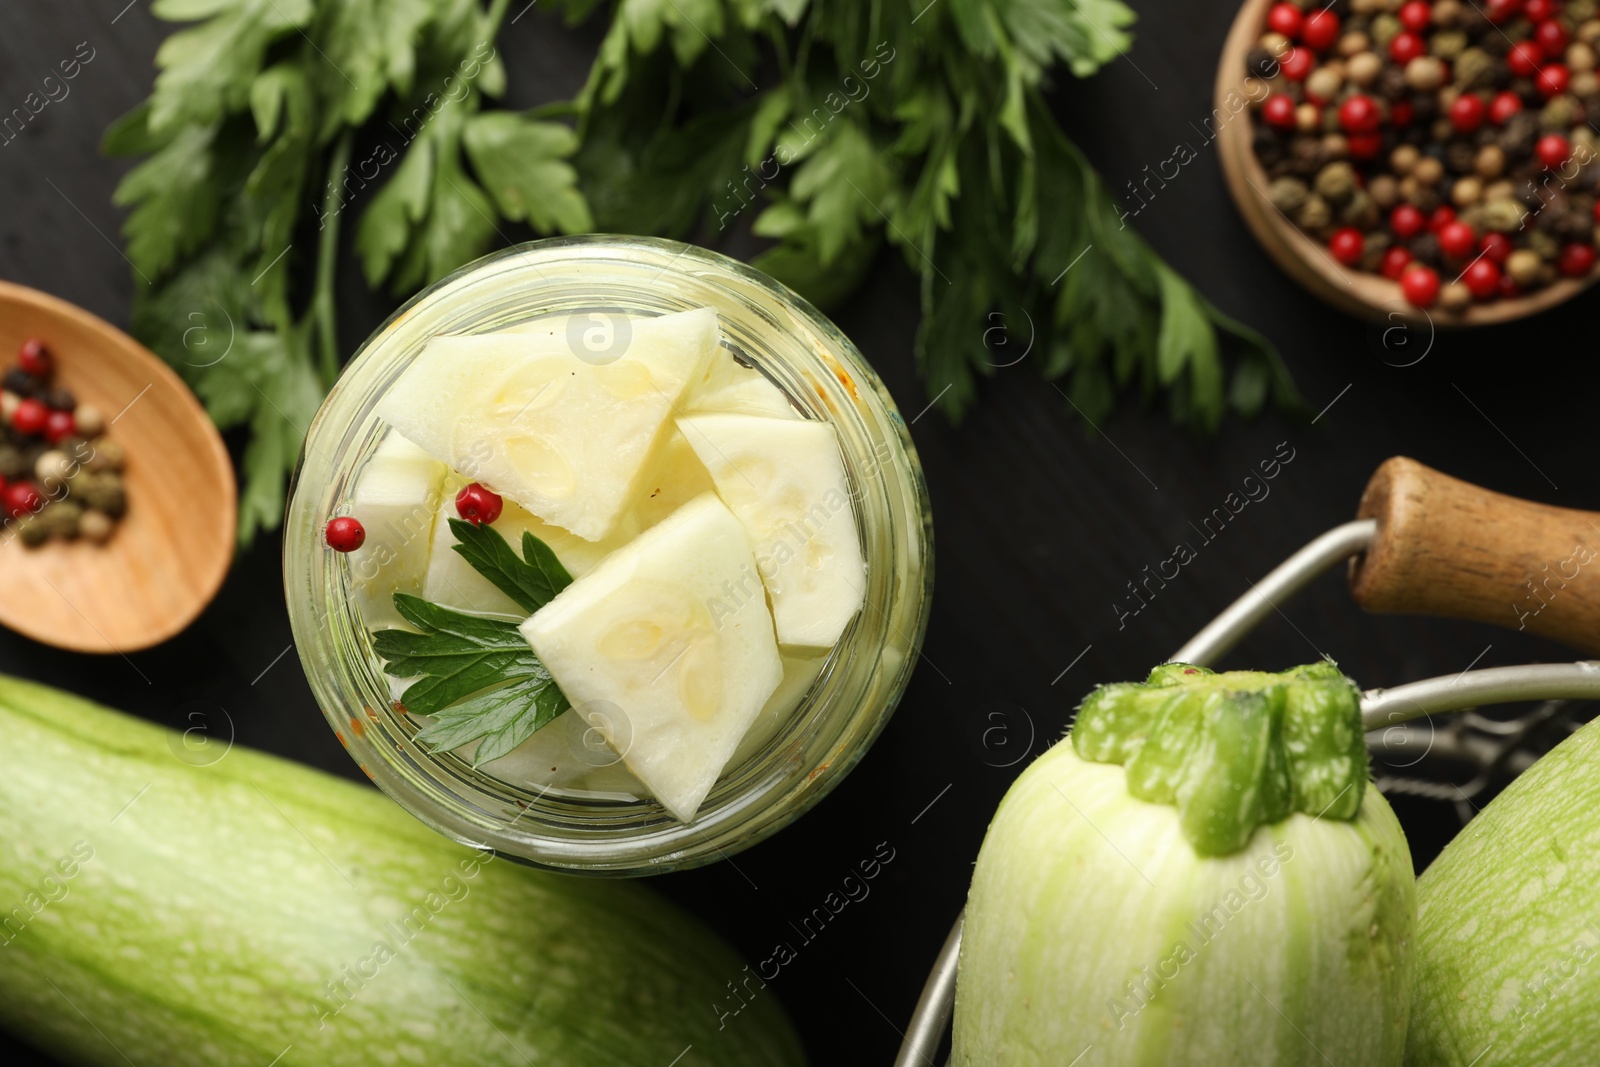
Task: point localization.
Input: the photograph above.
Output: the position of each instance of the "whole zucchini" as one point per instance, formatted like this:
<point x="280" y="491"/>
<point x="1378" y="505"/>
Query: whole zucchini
<point x="1508" y="925"/>
<point x="258" y="912"/>
<point x="1202" y="876"/>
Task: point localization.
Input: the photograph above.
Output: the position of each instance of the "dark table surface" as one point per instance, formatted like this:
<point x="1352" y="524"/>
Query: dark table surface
<point x="1039" y="524"/>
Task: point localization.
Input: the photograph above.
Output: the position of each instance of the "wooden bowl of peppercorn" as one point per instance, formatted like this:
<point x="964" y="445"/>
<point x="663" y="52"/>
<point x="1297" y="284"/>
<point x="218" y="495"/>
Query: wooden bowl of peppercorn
<point x="172" y="540"/>
<point x="1468" y="159"/>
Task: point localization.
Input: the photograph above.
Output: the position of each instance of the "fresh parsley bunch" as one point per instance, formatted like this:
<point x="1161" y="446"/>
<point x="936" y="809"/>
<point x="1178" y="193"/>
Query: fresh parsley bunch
<point x="844" y="124"/>
<point x="833" y="126"/>
<point x="236" y="211"/>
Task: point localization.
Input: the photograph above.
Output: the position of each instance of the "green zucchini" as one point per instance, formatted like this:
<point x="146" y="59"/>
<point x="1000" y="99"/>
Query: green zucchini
<point x="1201" y="876"/>
<point x="257" y="912"/>
<point x="1508" y="925"/>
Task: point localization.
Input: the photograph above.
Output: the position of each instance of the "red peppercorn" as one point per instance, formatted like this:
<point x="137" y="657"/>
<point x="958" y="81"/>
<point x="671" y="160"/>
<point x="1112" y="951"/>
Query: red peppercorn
<point x="1402" y="112"/>
<point x="1482" y="278"/>
<point x="1540" y="10"/>
<point x="1524" y="58"/>
<point x="1501" y="10"/>
<point x="1278" y="111"/>
<point x="1457" y="240"/>
<point x="1297" y="63"/>
<point x="1552" y="79"/>
<point x="1321" y="29"/>
<point x="1415" y="15"/>
<point x="34" y="358"/>
<point x="1504" y="105"/>
<point x="478" y="505"/>
<point x="1497" y="246"/>
<point x="59" y="424"/>
<point x="1364" y="146"/>
<point x="1360" y="114"/>
<point x="345" y="534"/>
<point x="1406" y="46"/>
<point x="1442" y="216"/>
<point x="1508" y="287"/>
<point x="1285" y="19"/>
<point x="1394" y="262"/>
<point x="1597" y="211"/>
<point x="1551" y="37"/>
<point x="1576" y="260"/>
<point x="1406" y="222"/>
<point x="1466" y="114"/>
<point x="1345" y="245"/>
<point x="1420" y="285"/>
<point x="1552" y="150"/>
<point x="20" y="498"/>
<point x="30" y="416"/>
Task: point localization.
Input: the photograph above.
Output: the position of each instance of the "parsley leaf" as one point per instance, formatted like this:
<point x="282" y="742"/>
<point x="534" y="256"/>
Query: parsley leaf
<point x="478" y="678"/>
<point x="530" y="580"/>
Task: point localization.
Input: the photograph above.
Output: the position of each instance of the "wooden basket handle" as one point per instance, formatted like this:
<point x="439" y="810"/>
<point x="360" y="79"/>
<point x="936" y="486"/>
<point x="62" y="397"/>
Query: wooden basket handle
<point x="1446" y="547"/>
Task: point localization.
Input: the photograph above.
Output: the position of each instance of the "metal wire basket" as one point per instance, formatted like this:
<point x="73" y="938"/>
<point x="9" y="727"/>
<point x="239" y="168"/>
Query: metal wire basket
<point x="1429" y="544"/>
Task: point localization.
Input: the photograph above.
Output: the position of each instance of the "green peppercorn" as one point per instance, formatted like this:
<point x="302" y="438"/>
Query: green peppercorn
<point x="1502" y="215"/>
<point x="108" y="455"/>
<point x="1336" y="182"/>
<point x="1287" y="194"/>
<point x="104" y="492"/>
<point x="33" y="533"/>
<point x="1314" y="214"/>
<point x="1385" y="28"/>
<point x="1544" y="244"/>
<point x="1373" y="246"/>
<point x="13" y="464"/>
<point x="60" y="519"/>
<point x="1359" y="211"/>
<point x="1559" y="113"/>
<point x="1474" y="69"/>
<point x="1449" y="44"/>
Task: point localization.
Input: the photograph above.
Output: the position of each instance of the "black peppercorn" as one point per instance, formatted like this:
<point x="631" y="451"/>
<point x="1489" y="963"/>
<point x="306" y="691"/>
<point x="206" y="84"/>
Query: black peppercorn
<point x="1267" y="145"/>
<point x="1529" y="92"/>
<point x="1425" y="108"/>
<point x="1519" y="134"/>
<point x="1305" y="156"/>
<point x="1459" y="155"/>
<point x="1425" y="249"/>
<point x="59" y="399"/>
<point x="1498" y="44"/>
<point x="20" y="382"/>
<point x="1392" y="84"/>
<point x="1573" y="225"/>
<point x="1260" y="63"/>
<point x="1486" y="136"/>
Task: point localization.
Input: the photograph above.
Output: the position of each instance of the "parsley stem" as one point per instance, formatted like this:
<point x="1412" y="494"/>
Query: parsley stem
<point x="322" y="301"/>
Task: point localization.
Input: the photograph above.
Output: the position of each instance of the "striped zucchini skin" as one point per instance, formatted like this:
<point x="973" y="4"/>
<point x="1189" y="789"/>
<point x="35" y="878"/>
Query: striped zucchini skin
<point x="1095" y="931"/>
<point x="1508" y="925"/>
<point x="258" y="912"/>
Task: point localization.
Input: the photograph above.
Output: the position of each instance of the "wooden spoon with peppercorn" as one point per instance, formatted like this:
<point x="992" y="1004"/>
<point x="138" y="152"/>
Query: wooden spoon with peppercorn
<point x="118" y="500"/>
<point x="1418" y="160"/>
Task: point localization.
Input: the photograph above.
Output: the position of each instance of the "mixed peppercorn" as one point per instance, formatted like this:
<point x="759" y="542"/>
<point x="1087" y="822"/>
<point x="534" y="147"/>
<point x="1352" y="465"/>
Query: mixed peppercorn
<point x="60" y="476"/>
<point x="1446" y="145"/>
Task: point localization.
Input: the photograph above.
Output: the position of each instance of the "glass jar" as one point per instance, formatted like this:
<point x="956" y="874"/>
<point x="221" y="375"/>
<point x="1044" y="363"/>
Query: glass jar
<point x="764" y="787"/>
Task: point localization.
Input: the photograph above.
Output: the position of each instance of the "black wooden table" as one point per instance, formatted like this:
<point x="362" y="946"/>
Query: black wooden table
<point x="1040" y="525"/>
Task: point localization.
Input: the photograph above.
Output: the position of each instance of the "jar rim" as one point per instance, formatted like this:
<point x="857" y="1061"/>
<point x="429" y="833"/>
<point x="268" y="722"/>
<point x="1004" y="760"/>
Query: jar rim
<point x="825" y="735"/>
